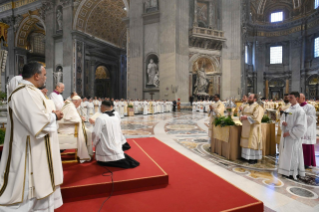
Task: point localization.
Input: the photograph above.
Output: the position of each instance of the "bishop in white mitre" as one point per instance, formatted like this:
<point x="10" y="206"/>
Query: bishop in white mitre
<point x="56" y="96"/>
<point x="107" y="139"/>
<point x="310" y="138"/>
<point x="294" y="127"/>
<point x="31" y="162"/>
<point x="73" y="124"/>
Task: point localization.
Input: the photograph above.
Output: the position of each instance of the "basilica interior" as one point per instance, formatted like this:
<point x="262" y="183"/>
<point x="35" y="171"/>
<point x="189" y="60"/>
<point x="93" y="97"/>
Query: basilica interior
<point x="172" y="50"/>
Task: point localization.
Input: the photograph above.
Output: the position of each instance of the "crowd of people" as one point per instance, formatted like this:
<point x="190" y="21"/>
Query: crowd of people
<point x="296" y="129"/>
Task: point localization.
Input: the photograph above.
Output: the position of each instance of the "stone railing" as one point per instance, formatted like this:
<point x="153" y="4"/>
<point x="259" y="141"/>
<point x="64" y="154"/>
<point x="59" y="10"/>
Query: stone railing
<point x="208" y="33"/>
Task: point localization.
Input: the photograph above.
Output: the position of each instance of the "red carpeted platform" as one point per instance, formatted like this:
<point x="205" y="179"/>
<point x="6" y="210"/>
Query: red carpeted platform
<point x="191" y="188"/>
<point x="84" y="180"/>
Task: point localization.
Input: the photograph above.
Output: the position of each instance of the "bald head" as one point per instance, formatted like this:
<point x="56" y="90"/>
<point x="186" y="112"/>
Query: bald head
<point x="302" y="98"/>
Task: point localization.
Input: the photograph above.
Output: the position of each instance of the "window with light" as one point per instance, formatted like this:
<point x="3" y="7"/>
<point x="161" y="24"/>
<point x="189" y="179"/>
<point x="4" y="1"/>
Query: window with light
<point x="276" y="55"/>
<point x="317" y="47"/>
<point x="246" y="54"/>
<point x="316" y="4"/>
<point x="276" y="17"/>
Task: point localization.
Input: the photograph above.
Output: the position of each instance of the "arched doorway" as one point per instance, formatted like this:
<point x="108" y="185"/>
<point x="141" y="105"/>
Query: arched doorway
<point x="276" y="88"/>
<point x="313" y="84"/>
<point x="103" y="86"/>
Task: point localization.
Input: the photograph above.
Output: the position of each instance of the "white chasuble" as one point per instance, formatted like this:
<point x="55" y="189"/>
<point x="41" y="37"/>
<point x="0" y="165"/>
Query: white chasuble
<point x="251" y="137"/>
<point x="218" y="111"/>
<point x="107" y="139"/>
<point x="13" y="84"/>
<point x="30" y="150"/>
<point x="284" y="107"/>
<point x="291" y="161"/>
<point x="72" y="124"/>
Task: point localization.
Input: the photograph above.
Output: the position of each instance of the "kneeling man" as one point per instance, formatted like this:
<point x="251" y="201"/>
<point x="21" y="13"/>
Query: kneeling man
<point x="107" y="139"/>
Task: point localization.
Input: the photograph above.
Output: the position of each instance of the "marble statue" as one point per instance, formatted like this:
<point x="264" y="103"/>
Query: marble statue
<point x="201" y="82"/>
<point x="58" y="76"/>
<point x="59" y="18"/>
<point x="152" y="72"/>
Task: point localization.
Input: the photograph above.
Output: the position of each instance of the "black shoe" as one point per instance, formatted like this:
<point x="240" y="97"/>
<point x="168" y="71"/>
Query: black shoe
<point x="306" y="167"/>
<point x="251" y="161"/>
<point x="256" y="161"/>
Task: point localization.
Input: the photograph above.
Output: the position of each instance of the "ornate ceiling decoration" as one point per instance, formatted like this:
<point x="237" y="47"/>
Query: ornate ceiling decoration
<point x="102" y="19"/>
<point x="261" y="5"/>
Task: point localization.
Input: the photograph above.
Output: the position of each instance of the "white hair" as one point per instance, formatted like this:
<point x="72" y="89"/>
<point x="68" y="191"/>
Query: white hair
<point x="59" y="84"/>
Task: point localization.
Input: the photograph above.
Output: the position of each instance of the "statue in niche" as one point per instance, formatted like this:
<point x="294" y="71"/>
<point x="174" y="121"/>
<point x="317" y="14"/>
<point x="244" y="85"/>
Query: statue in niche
<point x="201" y="82"/>
<point x="59" y="18"/>
<point x="152" y="74"/>
<point x="58" y="75"/>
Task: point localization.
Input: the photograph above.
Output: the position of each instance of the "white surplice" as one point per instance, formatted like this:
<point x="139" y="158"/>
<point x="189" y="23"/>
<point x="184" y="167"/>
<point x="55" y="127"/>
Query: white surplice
<point x="291" y="161"/>
<point x="57" y="99"/>
<point x="72" y="124"/>
<point x="310" y="136"/>
<point x="31" y="162"/>
<point x="107" y="139"/>
<point x="90" y="109"/>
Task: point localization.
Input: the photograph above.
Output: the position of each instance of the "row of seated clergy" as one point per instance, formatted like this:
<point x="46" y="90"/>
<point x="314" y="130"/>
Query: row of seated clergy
<point x="72" y="124"/>
<point x="108" y="139"/>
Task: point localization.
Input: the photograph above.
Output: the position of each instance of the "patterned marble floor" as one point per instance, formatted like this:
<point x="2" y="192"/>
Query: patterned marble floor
<point x="187" y="133"/>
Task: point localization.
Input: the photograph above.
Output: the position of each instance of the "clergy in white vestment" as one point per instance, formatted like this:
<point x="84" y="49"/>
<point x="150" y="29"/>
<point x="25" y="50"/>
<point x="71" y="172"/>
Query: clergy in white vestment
<point x="136" y="107"/>
<point x="84" y="109"/>
<point x="13" y="84"/>
<point x="310" y="138"/>
<point x="107" y="139"/>
<point x="30" y="167"/>
<point x="125" y="108"/>
<point x="194" y="106"/>
<point x="96" y="104"/>
<point x="122" y="108"/>
<point x="216" y="110"/>
<point x="251" y="137"/>
<point x="73" y="124"/>
<point x="294" y="127"/>
<point x="145" y="108"/>
<point x="286" y="104"/>
<point x="56" y="96"/>
<point x="90" y="108"/>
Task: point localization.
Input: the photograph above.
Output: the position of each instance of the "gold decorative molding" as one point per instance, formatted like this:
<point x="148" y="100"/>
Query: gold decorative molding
<point x="17" y="4"/>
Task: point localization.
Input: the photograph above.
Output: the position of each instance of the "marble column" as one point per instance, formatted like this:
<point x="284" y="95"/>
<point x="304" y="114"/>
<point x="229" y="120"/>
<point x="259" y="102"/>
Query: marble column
<point x="266" y="89"/>
<point x="195" y="14"/>
<point x="287" y="86"/>
<point x="260" y="66"/>
<point x="211" y="15"/>
<point x="295" y="54"/>
<point x="49" y="48"/>
<point x="68" y="49"/>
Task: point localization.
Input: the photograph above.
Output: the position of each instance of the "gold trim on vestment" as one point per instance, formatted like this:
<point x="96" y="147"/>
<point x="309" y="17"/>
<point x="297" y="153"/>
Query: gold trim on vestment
<point x="44" y="105"/>
<point x="76" y="130"/>
<point x="16" y="90"/>
<point x="7" y="171"/>
<point x="36" y="135"/>
<point x="49" y="158"/>
<point x="25" y="164"/>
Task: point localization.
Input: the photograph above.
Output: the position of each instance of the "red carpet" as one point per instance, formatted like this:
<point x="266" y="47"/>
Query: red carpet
<point x="82" y="180"/>
<point x="191" y="188"/>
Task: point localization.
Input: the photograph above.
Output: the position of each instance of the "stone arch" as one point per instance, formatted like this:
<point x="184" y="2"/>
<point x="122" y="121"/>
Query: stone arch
<point x="213" y="59"/>
<point x="25" y="27"/>
<point x="89" y="15"/>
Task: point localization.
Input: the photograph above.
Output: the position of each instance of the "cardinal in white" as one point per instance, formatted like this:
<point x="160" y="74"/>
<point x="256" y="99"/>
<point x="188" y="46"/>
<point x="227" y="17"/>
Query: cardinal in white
<point x="294" y="127"/>
<point x="30" y="167"/>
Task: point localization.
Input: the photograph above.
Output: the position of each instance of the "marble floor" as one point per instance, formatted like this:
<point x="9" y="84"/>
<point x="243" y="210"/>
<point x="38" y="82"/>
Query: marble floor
<point x="187" y="133"/>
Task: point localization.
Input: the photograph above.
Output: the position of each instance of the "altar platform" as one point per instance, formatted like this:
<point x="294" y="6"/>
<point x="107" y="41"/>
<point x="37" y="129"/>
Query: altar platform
<point x="191" y="187"/>
<point x="86" y="181"/>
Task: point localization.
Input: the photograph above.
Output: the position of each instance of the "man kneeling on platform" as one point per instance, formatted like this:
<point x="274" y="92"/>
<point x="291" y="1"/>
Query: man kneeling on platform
<point x="107" y="139"/>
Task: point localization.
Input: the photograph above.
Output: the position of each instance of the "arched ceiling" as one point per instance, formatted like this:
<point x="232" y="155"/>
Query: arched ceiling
<point x="103" y="19"/>
<point x="261" y="5"/>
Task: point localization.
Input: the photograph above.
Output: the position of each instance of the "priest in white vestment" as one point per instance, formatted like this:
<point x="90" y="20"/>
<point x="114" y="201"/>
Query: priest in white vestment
<point x="282" y="109"/>
<point x="251" y="137"/>
<point x="57" y="97"/>
<point x="216" y="110"/>
<point x="294" y="127"/>
<point x="13" y="84"/>
<point x="31" y="163"/>
<point x="310" y="138"/>
<point x="96" y="104"/>
<point x="73" y="124"/>
<point x="107" y="139"/>
<point x="90" y="108"/>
